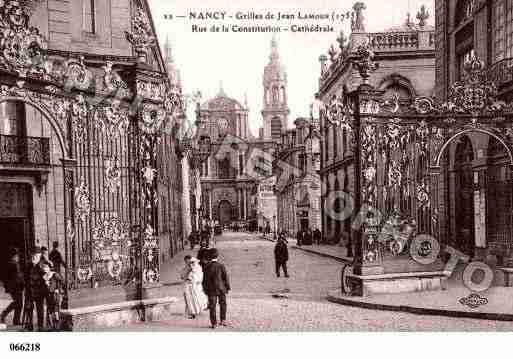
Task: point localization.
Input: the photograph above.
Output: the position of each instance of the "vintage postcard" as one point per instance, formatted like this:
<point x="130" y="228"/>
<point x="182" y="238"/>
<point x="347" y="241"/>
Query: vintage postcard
<point x="220" y="166"/>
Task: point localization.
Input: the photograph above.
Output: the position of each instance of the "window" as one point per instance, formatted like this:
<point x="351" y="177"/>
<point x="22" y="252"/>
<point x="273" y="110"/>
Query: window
<point x="223" y="168"/>
<point x="12" y="118"/>
<point x="88" y="16"/>
<point x="302" y="164"/>
<point x="465" y="10"/>
<point x="502" y="29"/>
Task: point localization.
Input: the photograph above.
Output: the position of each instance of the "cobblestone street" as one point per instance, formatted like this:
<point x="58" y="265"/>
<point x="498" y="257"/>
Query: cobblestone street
<point x="252" y="307"/>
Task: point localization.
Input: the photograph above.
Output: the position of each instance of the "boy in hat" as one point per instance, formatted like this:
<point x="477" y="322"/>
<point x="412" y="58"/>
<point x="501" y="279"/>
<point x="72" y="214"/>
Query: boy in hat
<point x="14" y="284"/>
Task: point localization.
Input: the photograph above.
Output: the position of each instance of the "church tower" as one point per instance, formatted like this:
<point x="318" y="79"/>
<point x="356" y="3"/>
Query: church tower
<point x="173" y="72"/>
<point x="276" y="109"/>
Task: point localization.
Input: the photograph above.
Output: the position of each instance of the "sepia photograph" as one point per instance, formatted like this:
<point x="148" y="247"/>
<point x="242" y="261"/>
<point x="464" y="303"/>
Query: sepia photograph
<point x="272" y="166"/>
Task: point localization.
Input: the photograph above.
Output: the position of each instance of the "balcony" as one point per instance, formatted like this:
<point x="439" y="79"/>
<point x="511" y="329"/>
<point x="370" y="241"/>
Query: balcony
<point x="24" y="151"/>
<point x="394" y="41"/>
<point x="501" y="72"/>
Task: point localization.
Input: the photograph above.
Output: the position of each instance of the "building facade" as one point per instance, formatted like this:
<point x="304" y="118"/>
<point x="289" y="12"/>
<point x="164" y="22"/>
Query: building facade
<point x="406" y="56"/>
<point x="298" y="185"/>
<point x="77" y="166"/>
<point x="266" y="204"/>
<point x="238" y="162"/>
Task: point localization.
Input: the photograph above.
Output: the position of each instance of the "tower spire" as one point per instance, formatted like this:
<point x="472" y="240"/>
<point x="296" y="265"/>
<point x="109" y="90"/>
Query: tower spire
<point x="168" y="51"/>
<point x="274" y="49"/>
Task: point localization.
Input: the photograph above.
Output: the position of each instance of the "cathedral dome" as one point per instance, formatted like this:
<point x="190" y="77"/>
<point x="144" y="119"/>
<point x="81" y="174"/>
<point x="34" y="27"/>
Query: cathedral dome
<point x="222" y="103"/>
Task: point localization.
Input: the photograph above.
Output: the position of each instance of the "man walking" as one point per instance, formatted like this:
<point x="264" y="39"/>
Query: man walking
<point x="216" y="285"/>
<point x="317" y="235"/>
<point x="14" y="283"/>
<point x="281" y="256"/>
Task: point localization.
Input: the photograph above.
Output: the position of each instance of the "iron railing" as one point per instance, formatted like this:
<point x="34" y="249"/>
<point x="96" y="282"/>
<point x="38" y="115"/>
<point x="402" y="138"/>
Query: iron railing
<point x="501" y="72"/>
<point x="22" y="150"/>
<point x="394" y="40"/>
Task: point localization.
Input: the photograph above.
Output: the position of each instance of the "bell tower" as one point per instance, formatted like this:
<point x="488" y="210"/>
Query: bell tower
<point x="276" y="109"/>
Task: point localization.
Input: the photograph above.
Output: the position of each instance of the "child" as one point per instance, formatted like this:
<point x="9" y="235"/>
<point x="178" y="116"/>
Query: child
<point x="52" y="294"/>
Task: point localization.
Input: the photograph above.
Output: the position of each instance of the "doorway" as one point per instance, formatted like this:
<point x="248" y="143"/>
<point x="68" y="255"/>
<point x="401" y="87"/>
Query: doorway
<point x="13" y="235"/>
<point x="225" y="213"/>
<point x="15" y="220"/>
<point x="465" y="227"/>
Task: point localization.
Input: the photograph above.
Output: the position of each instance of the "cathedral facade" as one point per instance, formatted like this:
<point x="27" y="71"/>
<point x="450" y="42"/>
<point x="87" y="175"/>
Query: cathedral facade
<point x="239" y="161"/>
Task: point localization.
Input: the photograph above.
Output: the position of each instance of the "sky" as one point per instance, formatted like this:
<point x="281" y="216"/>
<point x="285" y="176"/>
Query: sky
<point x="238" y="59"/>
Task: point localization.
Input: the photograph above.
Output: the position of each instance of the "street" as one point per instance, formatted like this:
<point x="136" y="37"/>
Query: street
<point x="252" y="307"/>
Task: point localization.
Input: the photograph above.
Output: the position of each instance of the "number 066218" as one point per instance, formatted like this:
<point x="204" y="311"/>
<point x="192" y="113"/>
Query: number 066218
<point x="25" y="347"/>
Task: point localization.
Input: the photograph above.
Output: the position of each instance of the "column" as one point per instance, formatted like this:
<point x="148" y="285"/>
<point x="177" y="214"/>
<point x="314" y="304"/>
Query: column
<point x="368" y="258"/>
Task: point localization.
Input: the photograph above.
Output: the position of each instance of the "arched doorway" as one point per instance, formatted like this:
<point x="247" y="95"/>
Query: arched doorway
<point x="225" y="213"/>
<point x="464" y="196"/>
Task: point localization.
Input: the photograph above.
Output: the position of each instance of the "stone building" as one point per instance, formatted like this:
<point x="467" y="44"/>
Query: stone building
<point x="88" y="154"/>
<point x="406" y="56"/>
<point x="231" y="175"/>
<point x="298" y="186"/>
<point x="266" y="204"/>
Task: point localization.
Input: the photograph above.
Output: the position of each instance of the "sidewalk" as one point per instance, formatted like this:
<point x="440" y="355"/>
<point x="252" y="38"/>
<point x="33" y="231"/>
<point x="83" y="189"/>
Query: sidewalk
<point x="494" y="304"/>
<point x="335" y="252"/>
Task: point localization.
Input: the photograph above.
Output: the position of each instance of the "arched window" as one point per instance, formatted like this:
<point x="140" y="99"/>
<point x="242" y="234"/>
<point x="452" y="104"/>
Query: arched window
<point x="276" y="95"/>
<point x="282" y="94"/>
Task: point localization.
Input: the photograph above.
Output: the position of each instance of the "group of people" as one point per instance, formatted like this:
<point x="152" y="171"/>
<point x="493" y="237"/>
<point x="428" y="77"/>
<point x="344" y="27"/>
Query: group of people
<point x="37" y="284"/>
<point x="308" y="237"/>
<point x="206" y="283"/>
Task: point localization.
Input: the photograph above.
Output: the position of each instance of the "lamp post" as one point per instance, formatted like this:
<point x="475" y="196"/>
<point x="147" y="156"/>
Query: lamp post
<point x="198" y="147"/>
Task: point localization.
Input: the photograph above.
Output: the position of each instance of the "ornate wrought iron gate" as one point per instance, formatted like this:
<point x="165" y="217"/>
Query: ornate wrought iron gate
<point x="402" y="157"/>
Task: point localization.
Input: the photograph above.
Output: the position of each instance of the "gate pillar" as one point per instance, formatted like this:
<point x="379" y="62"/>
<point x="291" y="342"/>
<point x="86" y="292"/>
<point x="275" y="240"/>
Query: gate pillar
<point x="366" y="224"/>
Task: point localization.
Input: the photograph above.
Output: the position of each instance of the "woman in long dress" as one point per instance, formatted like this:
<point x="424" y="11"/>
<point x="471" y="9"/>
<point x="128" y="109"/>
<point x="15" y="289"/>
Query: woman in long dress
<point x="195" y="298"/>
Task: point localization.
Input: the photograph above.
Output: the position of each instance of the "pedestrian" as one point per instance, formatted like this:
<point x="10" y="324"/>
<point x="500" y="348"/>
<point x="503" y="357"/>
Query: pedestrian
<point x="34" y="293"/>
<point x="281" y="256"/>
<point x="205" y="236"/>
<point x="317" y="236"/>
<point x="307" y="239"/>
<point x="194" y="296"/>
<point x="52" y="293"/>
<point x="299" y="237"/>
<point x="55" y="258"/>
<point x="192" y="239"/>
<point x="202" y="255"/>
<point x="216" y="285"/>
<point x="14" y="284"/>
